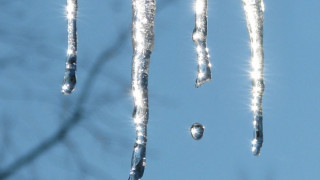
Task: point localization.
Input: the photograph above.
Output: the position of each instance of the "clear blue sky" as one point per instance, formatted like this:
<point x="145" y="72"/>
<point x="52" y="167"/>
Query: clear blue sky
<point x="30" y="91"/>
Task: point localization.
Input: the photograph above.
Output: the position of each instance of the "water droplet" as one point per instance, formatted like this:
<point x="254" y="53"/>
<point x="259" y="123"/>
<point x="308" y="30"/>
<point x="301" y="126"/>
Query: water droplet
<point x="197" y="131"/>
<point x="69" y="81"/>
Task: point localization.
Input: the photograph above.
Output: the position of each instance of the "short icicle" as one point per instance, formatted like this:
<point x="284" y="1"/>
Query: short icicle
<point x="69" y="80"/>
<point x="199" y="38"/>
<point x="254" y="10"/>
<point x="142" y="39"/>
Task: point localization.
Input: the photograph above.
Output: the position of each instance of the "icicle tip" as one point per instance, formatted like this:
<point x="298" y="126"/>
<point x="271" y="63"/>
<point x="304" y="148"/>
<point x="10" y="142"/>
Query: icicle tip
<point x="69" y="83"/>
<point x="203" y="78"/>
<point x="256" y="147"/>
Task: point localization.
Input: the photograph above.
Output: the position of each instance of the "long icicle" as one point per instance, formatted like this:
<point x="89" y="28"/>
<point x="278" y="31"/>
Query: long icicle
<point x="254" y="10"/>
<point x="142" y="40"/>
<point x="69" y="80"/>
<point x="199" y="38"/>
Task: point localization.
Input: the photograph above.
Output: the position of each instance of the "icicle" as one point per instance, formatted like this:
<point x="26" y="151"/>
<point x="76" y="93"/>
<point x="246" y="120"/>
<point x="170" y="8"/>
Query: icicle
<point x="69" y="81"/>
<point x="254" y="10"/>
<point x="199" y="38"/>
<point x="142" y="39"/>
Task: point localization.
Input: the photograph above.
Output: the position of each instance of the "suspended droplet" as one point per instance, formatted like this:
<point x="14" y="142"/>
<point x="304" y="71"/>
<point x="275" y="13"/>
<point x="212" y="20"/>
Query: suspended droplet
<point x="69" y="81"/>
<point x="197" y="131"/>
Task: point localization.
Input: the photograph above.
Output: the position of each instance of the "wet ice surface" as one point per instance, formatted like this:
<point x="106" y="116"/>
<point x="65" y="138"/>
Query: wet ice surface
<point x="69" y="80"/>
<point x="199" y="38"/>
<point x="254" y="10"/>
<point x="143" y="40"/>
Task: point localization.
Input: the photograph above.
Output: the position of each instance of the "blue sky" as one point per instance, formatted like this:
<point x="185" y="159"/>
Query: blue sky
<point x="31" y="102"/>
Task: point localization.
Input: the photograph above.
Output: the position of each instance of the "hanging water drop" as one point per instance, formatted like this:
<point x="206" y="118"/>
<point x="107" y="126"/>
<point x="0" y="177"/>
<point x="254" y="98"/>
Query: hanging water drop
<point x="69" y="80"/>
<point x="254" y="10"/>
<point x="197" y="131"/>
<point x="199" y="38"/>
<point x="143" y="40"/>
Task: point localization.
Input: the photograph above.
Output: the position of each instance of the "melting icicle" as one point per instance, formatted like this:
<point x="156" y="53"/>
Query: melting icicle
<point x="142" y="39"/>
<point x="254" y="10"/>
<point x="197" y="131"/>
<point x="199" y="38"/>
<point x="69" y="80"/>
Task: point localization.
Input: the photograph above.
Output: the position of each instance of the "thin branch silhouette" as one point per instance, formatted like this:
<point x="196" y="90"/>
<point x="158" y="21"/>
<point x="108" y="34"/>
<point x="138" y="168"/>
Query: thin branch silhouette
<point x="75" y="117"/>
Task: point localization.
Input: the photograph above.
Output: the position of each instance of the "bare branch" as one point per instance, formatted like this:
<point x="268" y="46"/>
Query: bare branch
<point x="84" y="167"/>
<point x="75" y="117"/>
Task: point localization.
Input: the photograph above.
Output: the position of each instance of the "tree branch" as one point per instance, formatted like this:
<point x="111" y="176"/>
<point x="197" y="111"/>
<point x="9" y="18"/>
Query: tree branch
<point x="75" y="117"/>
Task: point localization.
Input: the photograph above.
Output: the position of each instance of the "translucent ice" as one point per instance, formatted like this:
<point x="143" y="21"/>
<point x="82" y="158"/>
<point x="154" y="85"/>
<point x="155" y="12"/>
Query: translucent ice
<point x="69" y="80"/>
<point x="199" y="38"/>
<point x="254" y="10"/>
<point x="142" y="39"/>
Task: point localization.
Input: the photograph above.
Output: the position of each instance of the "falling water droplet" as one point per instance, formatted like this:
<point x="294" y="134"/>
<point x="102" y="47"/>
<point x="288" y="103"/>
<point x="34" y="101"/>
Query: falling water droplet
<point x="197" y="131"/>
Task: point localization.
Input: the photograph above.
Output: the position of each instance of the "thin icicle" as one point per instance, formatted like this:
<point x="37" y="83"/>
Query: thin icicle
<point x="142" y="40"/>
<point x="69" y="80"/>
<point x="199" y="38"/>
<point x="254" y="10"/>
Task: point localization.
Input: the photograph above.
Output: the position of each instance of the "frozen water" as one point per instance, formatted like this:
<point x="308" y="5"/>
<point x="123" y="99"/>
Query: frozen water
<point x="69" y="80"/>
<point x="142" y="39"/>
<point x="199" y="38"/>
<point x="254" y="10"/>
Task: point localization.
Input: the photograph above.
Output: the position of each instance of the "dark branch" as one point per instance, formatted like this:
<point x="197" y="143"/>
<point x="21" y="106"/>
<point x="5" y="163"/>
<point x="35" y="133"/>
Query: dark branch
<point x="75" y="117"/>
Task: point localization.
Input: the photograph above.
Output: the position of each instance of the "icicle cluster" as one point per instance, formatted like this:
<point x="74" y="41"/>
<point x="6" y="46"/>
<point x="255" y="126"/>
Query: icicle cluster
<point x="69" y="81"/>
<point x="199" y="37"/>
<point x="254" y="10"/>
<point x="142" y="39"/>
